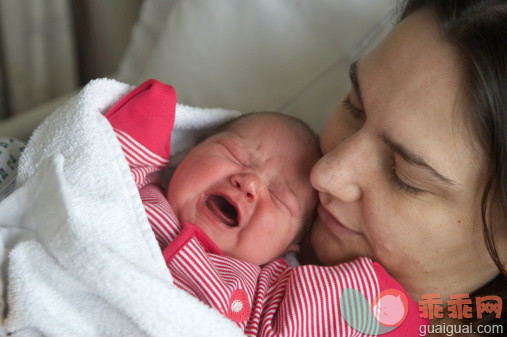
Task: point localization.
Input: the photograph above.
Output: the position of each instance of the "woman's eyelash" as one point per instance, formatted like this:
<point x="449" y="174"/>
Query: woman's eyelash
<point x="401" y="185"/>
<point x="356" y="112"/>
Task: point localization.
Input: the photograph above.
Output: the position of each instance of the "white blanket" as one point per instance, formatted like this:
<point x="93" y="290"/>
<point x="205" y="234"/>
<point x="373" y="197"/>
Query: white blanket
<point x="82" y="259"/>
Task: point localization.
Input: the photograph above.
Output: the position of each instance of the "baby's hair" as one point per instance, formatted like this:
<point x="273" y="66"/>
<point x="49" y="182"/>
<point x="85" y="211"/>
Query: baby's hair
<point x="294" y="122"/>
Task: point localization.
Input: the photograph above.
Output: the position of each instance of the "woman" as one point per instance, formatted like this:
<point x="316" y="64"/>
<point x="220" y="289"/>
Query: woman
<point x="414" y="173"/>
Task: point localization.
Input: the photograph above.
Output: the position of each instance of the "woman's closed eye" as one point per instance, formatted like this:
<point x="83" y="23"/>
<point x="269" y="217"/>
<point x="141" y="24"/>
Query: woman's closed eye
<point x="399" y="183"/>
<point x="359" y="115"/>
<point x="356" y="112"/>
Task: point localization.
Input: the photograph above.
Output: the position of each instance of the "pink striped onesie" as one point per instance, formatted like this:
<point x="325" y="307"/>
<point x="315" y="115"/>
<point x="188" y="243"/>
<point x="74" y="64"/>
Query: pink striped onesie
<point x="273" y="300"/>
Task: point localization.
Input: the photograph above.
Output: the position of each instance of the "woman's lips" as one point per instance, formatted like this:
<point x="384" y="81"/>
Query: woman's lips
<point x="332" y="223"/>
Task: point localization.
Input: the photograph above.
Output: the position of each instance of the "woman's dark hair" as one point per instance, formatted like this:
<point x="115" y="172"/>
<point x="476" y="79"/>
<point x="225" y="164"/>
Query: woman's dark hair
<point x="478" y="29"/>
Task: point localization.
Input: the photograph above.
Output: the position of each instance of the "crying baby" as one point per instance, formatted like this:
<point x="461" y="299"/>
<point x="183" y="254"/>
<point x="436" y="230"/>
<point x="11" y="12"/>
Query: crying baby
<point x="248" y="186"/>
<point x="239" y="199"/>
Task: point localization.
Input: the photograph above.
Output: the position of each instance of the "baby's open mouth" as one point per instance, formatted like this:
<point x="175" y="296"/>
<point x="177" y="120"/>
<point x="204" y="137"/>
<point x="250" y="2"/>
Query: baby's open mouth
<point x="223" y="209"/>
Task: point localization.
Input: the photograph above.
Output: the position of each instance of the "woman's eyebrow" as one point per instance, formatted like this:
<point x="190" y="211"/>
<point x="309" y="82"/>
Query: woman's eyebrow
<point x="414" y="159"/>
<point x="355" y="82"/>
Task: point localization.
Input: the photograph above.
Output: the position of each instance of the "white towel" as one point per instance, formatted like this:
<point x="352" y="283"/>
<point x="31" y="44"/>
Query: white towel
<point x="83" y="260"/>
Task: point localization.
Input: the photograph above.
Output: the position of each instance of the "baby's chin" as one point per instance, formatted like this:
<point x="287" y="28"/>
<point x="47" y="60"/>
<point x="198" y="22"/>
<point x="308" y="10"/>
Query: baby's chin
<point x="256" y="259"/>
<point x="220" y="236"/>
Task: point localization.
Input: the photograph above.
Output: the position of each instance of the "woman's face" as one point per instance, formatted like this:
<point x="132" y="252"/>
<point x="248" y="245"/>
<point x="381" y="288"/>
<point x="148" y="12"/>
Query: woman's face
<point x="401" y="179"/>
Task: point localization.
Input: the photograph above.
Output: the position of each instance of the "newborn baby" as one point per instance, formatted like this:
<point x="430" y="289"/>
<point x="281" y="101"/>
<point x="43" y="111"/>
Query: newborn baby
<point x="247" y="187"/>
<point x="239" y="199"/>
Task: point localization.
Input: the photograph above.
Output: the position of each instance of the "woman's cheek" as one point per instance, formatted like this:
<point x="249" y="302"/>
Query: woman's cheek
<point x="382" y="219"/>
<point x="396" y="229"/>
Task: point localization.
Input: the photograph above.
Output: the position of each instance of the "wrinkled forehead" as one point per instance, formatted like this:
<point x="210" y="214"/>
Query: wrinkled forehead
<point x="283" y="147"/>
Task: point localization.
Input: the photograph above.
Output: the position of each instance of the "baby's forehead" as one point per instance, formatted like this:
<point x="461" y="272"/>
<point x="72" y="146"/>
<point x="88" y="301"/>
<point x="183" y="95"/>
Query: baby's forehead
<point x="280" y="130"/>
<point x="290" y="140"/>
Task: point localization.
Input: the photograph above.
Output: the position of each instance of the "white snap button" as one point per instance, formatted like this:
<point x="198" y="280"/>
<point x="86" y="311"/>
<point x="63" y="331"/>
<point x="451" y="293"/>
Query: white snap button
<point x="236" y="306"/>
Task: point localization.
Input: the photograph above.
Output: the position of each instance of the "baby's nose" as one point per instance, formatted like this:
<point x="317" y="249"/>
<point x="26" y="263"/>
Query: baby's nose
<point x="248" y="183"/>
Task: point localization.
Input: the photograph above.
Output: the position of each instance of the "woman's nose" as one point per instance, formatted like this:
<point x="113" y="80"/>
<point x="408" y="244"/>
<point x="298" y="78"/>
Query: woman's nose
<point x="248" y="183"/>
<point x="340" y="172"/>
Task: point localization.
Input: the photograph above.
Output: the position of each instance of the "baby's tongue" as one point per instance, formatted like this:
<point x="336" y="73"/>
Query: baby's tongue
<point x="223" y="209"/>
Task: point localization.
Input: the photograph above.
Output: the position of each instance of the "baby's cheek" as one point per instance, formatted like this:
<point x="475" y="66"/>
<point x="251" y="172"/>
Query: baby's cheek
<point x="301" y="228"/>
<point x="173" y="204"/>
<point x="169" y="195"/>
<point x="175" y="196"/>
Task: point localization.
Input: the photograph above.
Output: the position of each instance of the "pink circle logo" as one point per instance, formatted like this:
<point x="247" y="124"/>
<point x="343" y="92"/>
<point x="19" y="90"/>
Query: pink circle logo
<point x="390" y="307"/>
<point x="386" y="313"/>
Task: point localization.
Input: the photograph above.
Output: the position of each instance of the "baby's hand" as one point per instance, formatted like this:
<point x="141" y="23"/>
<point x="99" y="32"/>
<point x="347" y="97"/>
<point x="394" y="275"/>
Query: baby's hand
<point x="147" y="115"/>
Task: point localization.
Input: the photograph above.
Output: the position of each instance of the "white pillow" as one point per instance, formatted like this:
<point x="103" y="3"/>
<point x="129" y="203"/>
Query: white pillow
<point x="252" y="55"/>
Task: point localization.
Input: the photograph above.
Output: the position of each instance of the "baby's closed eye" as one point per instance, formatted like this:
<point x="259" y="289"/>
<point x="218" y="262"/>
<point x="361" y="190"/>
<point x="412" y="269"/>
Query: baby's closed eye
<point x="286" y="198"/>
